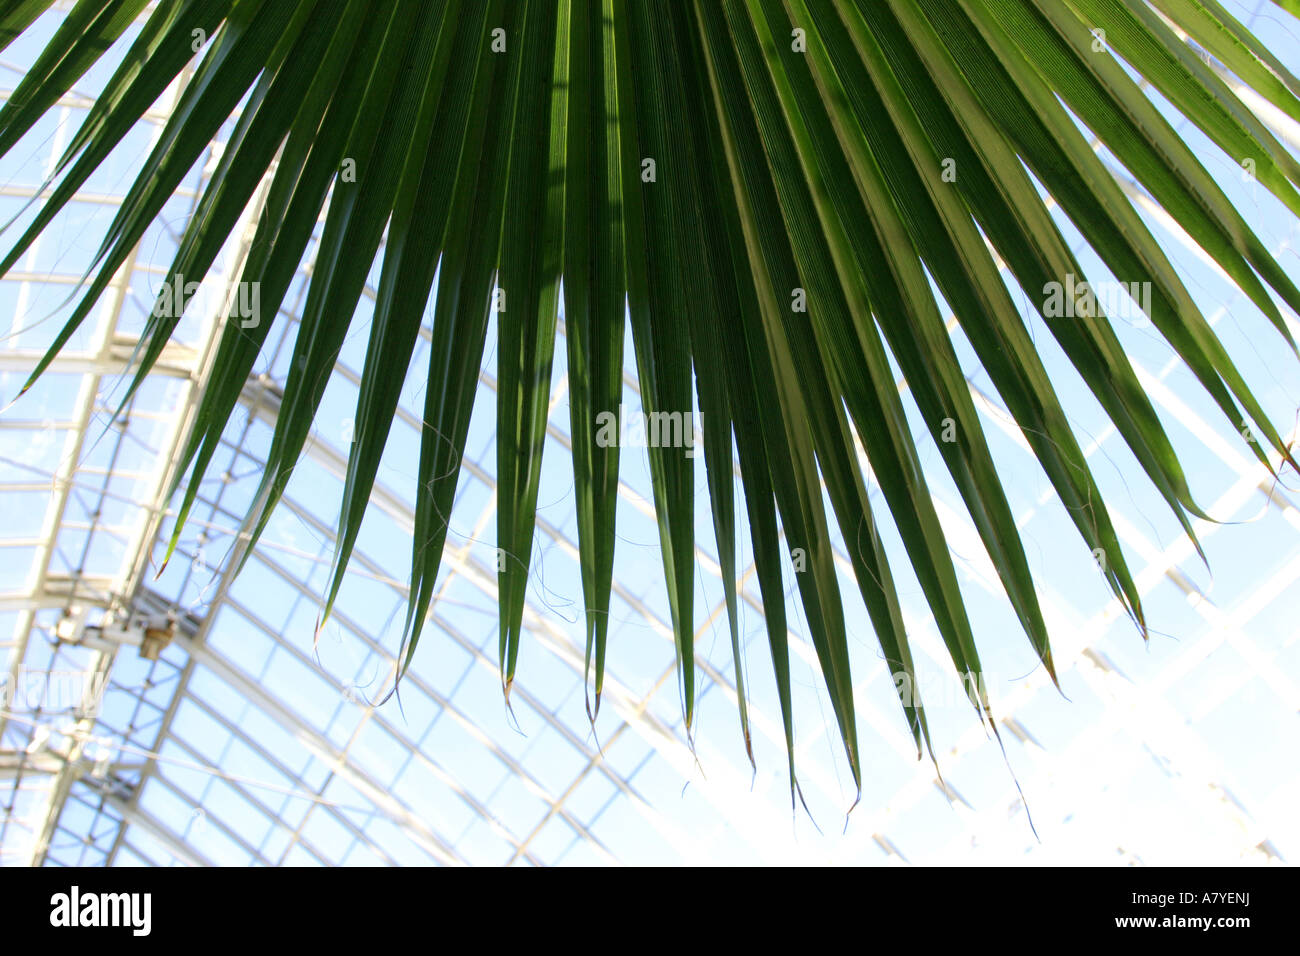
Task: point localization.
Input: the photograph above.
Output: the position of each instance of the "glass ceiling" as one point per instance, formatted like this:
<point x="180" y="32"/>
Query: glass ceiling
<point x="190" y="717"/>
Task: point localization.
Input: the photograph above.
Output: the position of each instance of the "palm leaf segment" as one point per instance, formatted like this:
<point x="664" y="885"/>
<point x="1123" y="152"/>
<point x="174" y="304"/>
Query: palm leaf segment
<point x="774" y="196"/>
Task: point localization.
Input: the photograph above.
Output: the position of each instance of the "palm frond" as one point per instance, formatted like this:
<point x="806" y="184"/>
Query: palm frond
<point x="780" y="199"/>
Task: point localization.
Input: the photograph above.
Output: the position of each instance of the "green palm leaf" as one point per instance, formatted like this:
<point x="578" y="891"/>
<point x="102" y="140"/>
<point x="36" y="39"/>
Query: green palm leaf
<point x="780" y="198"/>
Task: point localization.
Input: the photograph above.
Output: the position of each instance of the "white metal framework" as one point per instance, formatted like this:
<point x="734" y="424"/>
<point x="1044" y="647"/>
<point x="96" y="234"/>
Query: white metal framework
<point x="190" y="718"/>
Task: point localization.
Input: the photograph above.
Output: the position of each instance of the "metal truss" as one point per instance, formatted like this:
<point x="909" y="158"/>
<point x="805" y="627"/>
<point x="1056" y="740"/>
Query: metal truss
<point x="221" y="730"/>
